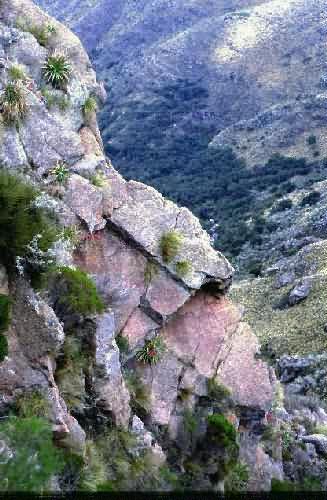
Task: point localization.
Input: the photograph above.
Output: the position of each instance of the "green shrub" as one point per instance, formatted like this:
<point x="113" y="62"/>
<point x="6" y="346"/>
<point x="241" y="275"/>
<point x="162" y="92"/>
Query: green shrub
<point x="114" y="462"/>
<point x="138" y="391"/>
<point x="35" y="459"/>
<point x="52" y="99"/>
<point x="170" y="245"/>
<point x="307" y="484"/>
<point x="237" y="479"/>
<point x="217" y="391"/>
<point x="278" y="486"/>
<point x="5" y="306"/>
<point x="310" y="484"/>
<point x="89" y="106"/>
<point x="190" y="421"/>
<point x="122" y="343"/>
<point x="79" y="292"/>
<point x="223" y="430"/>
<point x="320" y="429"/>
<point x="16" y="73"/>
<point x="20" y="220"/>
<point x="42" y="33"/>
<point x="57" y="69"/>
<point x="70" y="373"/>
<point x="71" y="234"/>
<point x="152" y="351"/>
<point x="13" y="103"/>
<point x="183" y="268"/>
<point x="3" y="347"/>
<point x="32" y="404"/>
<point x="98" y="180"/>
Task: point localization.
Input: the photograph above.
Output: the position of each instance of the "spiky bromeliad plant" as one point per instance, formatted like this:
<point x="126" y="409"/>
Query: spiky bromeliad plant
<point x="61" y="172"/>
<point x="13" y="103"/>
<point x="57" y="69"/>
<point x="151" y="351"/>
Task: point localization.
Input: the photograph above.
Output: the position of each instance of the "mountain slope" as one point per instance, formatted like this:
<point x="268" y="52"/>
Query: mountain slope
<point x="249" y="75"/>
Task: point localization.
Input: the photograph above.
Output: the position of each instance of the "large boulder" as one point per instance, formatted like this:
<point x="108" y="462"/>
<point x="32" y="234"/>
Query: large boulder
<point x="144" y="216"/>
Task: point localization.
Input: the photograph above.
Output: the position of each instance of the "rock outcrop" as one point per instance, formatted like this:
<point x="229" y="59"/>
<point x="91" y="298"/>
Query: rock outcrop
<point x="119" y="226"/>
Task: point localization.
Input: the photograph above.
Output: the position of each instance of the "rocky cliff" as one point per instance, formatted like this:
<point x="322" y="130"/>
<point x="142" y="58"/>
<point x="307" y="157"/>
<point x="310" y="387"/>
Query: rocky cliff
<point x="166" y="371"/>
<point x="240" y="74"/>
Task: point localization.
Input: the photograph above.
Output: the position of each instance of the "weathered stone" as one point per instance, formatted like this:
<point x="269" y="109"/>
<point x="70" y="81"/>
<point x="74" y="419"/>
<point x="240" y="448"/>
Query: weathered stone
<point x="118" y="271"/>
<point x="86" y="202"/>
<point x="161" y="382"/>
<point x="164" y="295"/>
<point x="38" y="328"/>
<point x="146" y="441"/>
<point x="319" y="441"/>
<point x="194" y="382"/>
<point x="112" y="394"/>
<point x="248" y="378"/>
<point x="284" y="279"/>
<point x="262" y="467"/>
<point x="138" y="326"/>
<point x="145" y="216"/>
<point x="300" y="291"/>
<point x="201" y="331"/>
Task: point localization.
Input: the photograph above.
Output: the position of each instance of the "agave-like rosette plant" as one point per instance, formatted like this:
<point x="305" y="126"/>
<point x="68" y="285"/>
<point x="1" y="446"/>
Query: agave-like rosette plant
<point x="151" y="351"/>
<point x="57" y="69"/>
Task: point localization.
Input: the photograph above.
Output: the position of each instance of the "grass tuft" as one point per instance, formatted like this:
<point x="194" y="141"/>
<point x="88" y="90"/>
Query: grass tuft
<point x="170" y="245"/>
<point x="13" y="103"/>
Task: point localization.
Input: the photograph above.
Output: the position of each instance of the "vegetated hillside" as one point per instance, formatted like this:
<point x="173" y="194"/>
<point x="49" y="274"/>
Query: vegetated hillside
<point x="245" y="75"/>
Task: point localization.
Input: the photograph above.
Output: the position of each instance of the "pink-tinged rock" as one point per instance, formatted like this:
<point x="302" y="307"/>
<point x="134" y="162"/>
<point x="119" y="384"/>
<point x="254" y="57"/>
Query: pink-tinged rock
<point x="165" y="295"/>
<point x="137" y="327"/>
<point x="85" y="201"/>
<point x="118" y="270"/>
<point x="145" y="216"/>
<point x="202" y="330"/>
<point x="161" y="381"/>
<point x="247" y="377"/>
<point x="262" y="467"/>
<point x="194" y="382"/>
<point x="90" y="143"/>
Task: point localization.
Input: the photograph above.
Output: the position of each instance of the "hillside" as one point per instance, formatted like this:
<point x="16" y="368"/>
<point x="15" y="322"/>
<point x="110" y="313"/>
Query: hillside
<point x="247" y="75"/>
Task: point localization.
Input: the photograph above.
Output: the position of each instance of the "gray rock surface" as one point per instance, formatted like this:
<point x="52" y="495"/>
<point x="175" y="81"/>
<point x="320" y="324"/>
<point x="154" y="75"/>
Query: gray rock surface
<point x="300" y="292"/>
<point x="111" y="392"/>
<point x="319" y="441"/>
